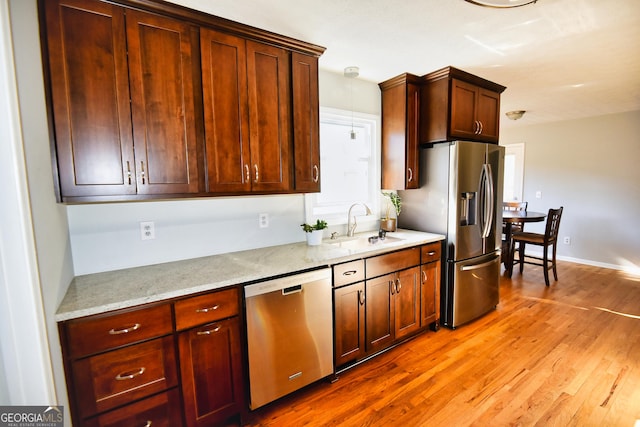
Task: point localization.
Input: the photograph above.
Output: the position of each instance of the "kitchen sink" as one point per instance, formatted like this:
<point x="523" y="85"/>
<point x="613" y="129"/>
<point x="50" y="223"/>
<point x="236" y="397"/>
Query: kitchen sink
<point x="363" y="242"/>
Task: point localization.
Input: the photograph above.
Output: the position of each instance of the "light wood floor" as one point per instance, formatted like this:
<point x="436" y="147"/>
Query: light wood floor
<point x="566" y="355"/>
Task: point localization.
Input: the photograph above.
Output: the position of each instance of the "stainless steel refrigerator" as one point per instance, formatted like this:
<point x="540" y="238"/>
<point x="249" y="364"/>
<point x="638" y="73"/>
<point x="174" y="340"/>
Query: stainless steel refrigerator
<point x="460" y="196"/>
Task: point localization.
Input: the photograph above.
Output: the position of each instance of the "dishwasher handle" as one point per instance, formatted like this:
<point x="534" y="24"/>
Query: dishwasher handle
<point x="292" y="290"/>
<point x="287" y="284"/>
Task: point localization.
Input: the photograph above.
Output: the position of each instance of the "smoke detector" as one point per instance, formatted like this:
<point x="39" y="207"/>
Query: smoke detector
<point x="352" y="72"/>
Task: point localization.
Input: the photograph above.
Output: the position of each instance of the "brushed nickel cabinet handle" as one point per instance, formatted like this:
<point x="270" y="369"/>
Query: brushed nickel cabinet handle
<point x="481" y="127"/>
<point x="148" y="423"/>
<point x="410" y="174"/>
<point x="398" y="286"/>
<point x="209" y="331"/>
<point x="207" y="309"/>
<point x="255" y="166"/>
<point x="361" y="297"/>
<point x="393" y="287"/>
<point x="129" y="375"/>
<point x="142" y="172"/>
<point x="316" y="173"/>
<point x="246" y="170"/>
<point x="126" y="330"/>
<point x="432" y="253"/>
<point x="349" y="273"/>
<point x="424" y="276"/>
<point x="129" y="172"/>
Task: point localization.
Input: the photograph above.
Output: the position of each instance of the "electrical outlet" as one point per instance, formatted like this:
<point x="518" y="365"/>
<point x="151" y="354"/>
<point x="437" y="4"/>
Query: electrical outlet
<point x="263" y="220"/>
<point x="538" y="194"/>
<point x="567" y="240"/>
<point x="147" y="230"/>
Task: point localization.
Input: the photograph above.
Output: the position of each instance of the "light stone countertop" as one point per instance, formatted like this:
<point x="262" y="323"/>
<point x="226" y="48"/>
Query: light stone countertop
<point x="112" y="290"/>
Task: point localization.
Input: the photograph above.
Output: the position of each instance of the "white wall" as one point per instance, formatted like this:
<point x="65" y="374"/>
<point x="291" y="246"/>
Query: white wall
<point x="590" y="167"/>
<point x="27" y="377"/>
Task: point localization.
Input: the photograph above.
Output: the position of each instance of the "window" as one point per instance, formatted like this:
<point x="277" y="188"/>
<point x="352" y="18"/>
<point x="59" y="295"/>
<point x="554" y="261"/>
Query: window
<point x="513" y="172"/>
<point x="350" y="168"/>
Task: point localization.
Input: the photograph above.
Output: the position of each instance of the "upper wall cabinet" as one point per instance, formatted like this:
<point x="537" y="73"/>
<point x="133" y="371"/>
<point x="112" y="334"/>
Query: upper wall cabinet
<point x="123" y="102"/>
<point x="306" y="123"/>
<point x="400" y="132"/>
<point x="247" y="114"/>
<point x="459" y="105"/>
<point x="149" y="100"/>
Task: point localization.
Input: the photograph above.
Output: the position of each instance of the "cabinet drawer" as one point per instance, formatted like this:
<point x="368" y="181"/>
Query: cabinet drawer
<point x="395" y="261"/>
<point x="106" y="331"/>
<point x="161" y="410"/>
<point x="206" y="308"/>
<point x="349" y="272"/>
<point x="431" y="252"/>
<point x="120" y="376"/>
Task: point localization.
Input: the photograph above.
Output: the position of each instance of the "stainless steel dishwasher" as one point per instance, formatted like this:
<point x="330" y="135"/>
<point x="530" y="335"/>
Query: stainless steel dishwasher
<point x="289" y="334"/>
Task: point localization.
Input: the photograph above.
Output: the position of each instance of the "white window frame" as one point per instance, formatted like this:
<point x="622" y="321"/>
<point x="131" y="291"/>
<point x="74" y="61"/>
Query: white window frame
<point x="337" y="214"/>
<point x="516" y="150"/>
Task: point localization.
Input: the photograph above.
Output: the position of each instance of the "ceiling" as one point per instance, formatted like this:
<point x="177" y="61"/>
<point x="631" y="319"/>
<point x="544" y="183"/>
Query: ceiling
<point x="559" y="59"/>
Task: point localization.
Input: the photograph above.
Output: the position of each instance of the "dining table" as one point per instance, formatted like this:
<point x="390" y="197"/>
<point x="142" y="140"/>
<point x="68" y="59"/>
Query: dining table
<point x="509" y="218"/>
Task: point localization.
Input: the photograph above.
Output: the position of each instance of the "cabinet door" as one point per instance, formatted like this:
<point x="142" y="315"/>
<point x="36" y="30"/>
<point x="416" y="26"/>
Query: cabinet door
<point x="463" y="110"/>
<point x="306" y="136"/>
<point x="488" y="114"/>
<point x="269" y="117"/>
<point x="161" y="79"/>
<point x="430" y="294"/>
<point x="412" y="146"/>
<point x="226" y="114"/>
<point x="210" y="363"/>
<point x="349" y="323"/>
<point x="90" y="92"/>
<point x="406" y="297"/>
<point x="379" y="313"/>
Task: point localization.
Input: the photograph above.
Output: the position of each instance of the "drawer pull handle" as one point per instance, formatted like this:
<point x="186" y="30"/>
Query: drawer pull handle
<point x="148" y="424"/>
<point x="349" y="273"/>
<point x="125" y="330"/>
<point x="208" y="309"/>
<point x="432" y="253"/>
<point x="129" y="375"/>
<point x="209" y="331"/>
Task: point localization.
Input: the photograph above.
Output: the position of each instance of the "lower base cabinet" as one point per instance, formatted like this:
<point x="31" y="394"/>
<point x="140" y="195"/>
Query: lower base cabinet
<point x="210" y="363"/>
<point x="398" y="297"/>
<point x="169" y="364"/>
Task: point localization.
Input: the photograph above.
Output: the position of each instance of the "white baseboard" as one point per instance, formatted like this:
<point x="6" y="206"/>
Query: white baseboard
<point x="625" y="268"/>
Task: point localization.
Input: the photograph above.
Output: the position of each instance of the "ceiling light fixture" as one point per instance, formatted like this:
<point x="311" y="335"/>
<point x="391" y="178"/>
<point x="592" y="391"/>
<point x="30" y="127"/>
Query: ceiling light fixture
<point x="352" y="73"/>
<point x="515" y="115"/>
<point x="501" y="4"/>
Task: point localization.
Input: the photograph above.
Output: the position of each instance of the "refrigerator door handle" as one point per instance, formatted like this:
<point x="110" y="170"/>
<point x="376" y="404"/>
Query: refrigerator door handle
<point x="478" y="266"/>
<point x="487" y="202"/>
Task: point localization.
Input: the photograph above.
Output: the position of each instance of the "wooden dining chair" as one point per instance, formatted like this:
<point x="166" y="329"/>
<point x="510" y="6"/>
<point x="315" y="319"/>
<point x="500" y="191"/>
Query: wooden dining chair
<point x="547" y="240"/>
<point x="515" y="206"/>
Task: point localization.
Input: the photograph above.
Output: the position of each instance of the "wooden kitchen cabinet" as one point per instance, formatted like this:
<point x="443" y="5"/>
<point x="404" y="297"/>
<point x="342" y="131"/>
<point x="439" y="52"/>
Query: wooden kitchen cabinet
<point x="118" y="364"/>
<point x="148" y="100"/>
<point x="134" y="364"/>
<point x="430" y="285"/>
<point x="459" y="105"/>
<point x="247" y="114"/>
<point x="121" y="84"/>
<point x="349" y="323"/>
<point x="400" y="132"/>
<point x="349" y="309"/>
<point x="210" y="357"/>
<point x="392" y="299"/>
<point x="306" y="122"/>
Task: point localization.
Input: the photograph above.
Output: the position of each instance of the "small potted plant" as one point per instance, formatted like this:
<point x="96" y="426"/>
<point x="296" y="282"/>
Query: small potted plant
<point x="314" y="232"/>
<point x="388" y="223"/>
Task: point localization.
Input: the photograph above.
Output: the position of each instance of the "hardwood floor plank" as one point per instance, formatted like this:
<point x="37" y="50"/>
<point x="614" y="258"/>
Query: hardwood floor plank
<point x="563" y="355"/>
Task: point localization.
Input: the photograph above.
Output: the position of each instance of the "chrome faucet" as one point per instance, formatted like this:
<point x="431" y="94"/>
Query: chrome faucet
<point x="351" y="228"/>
